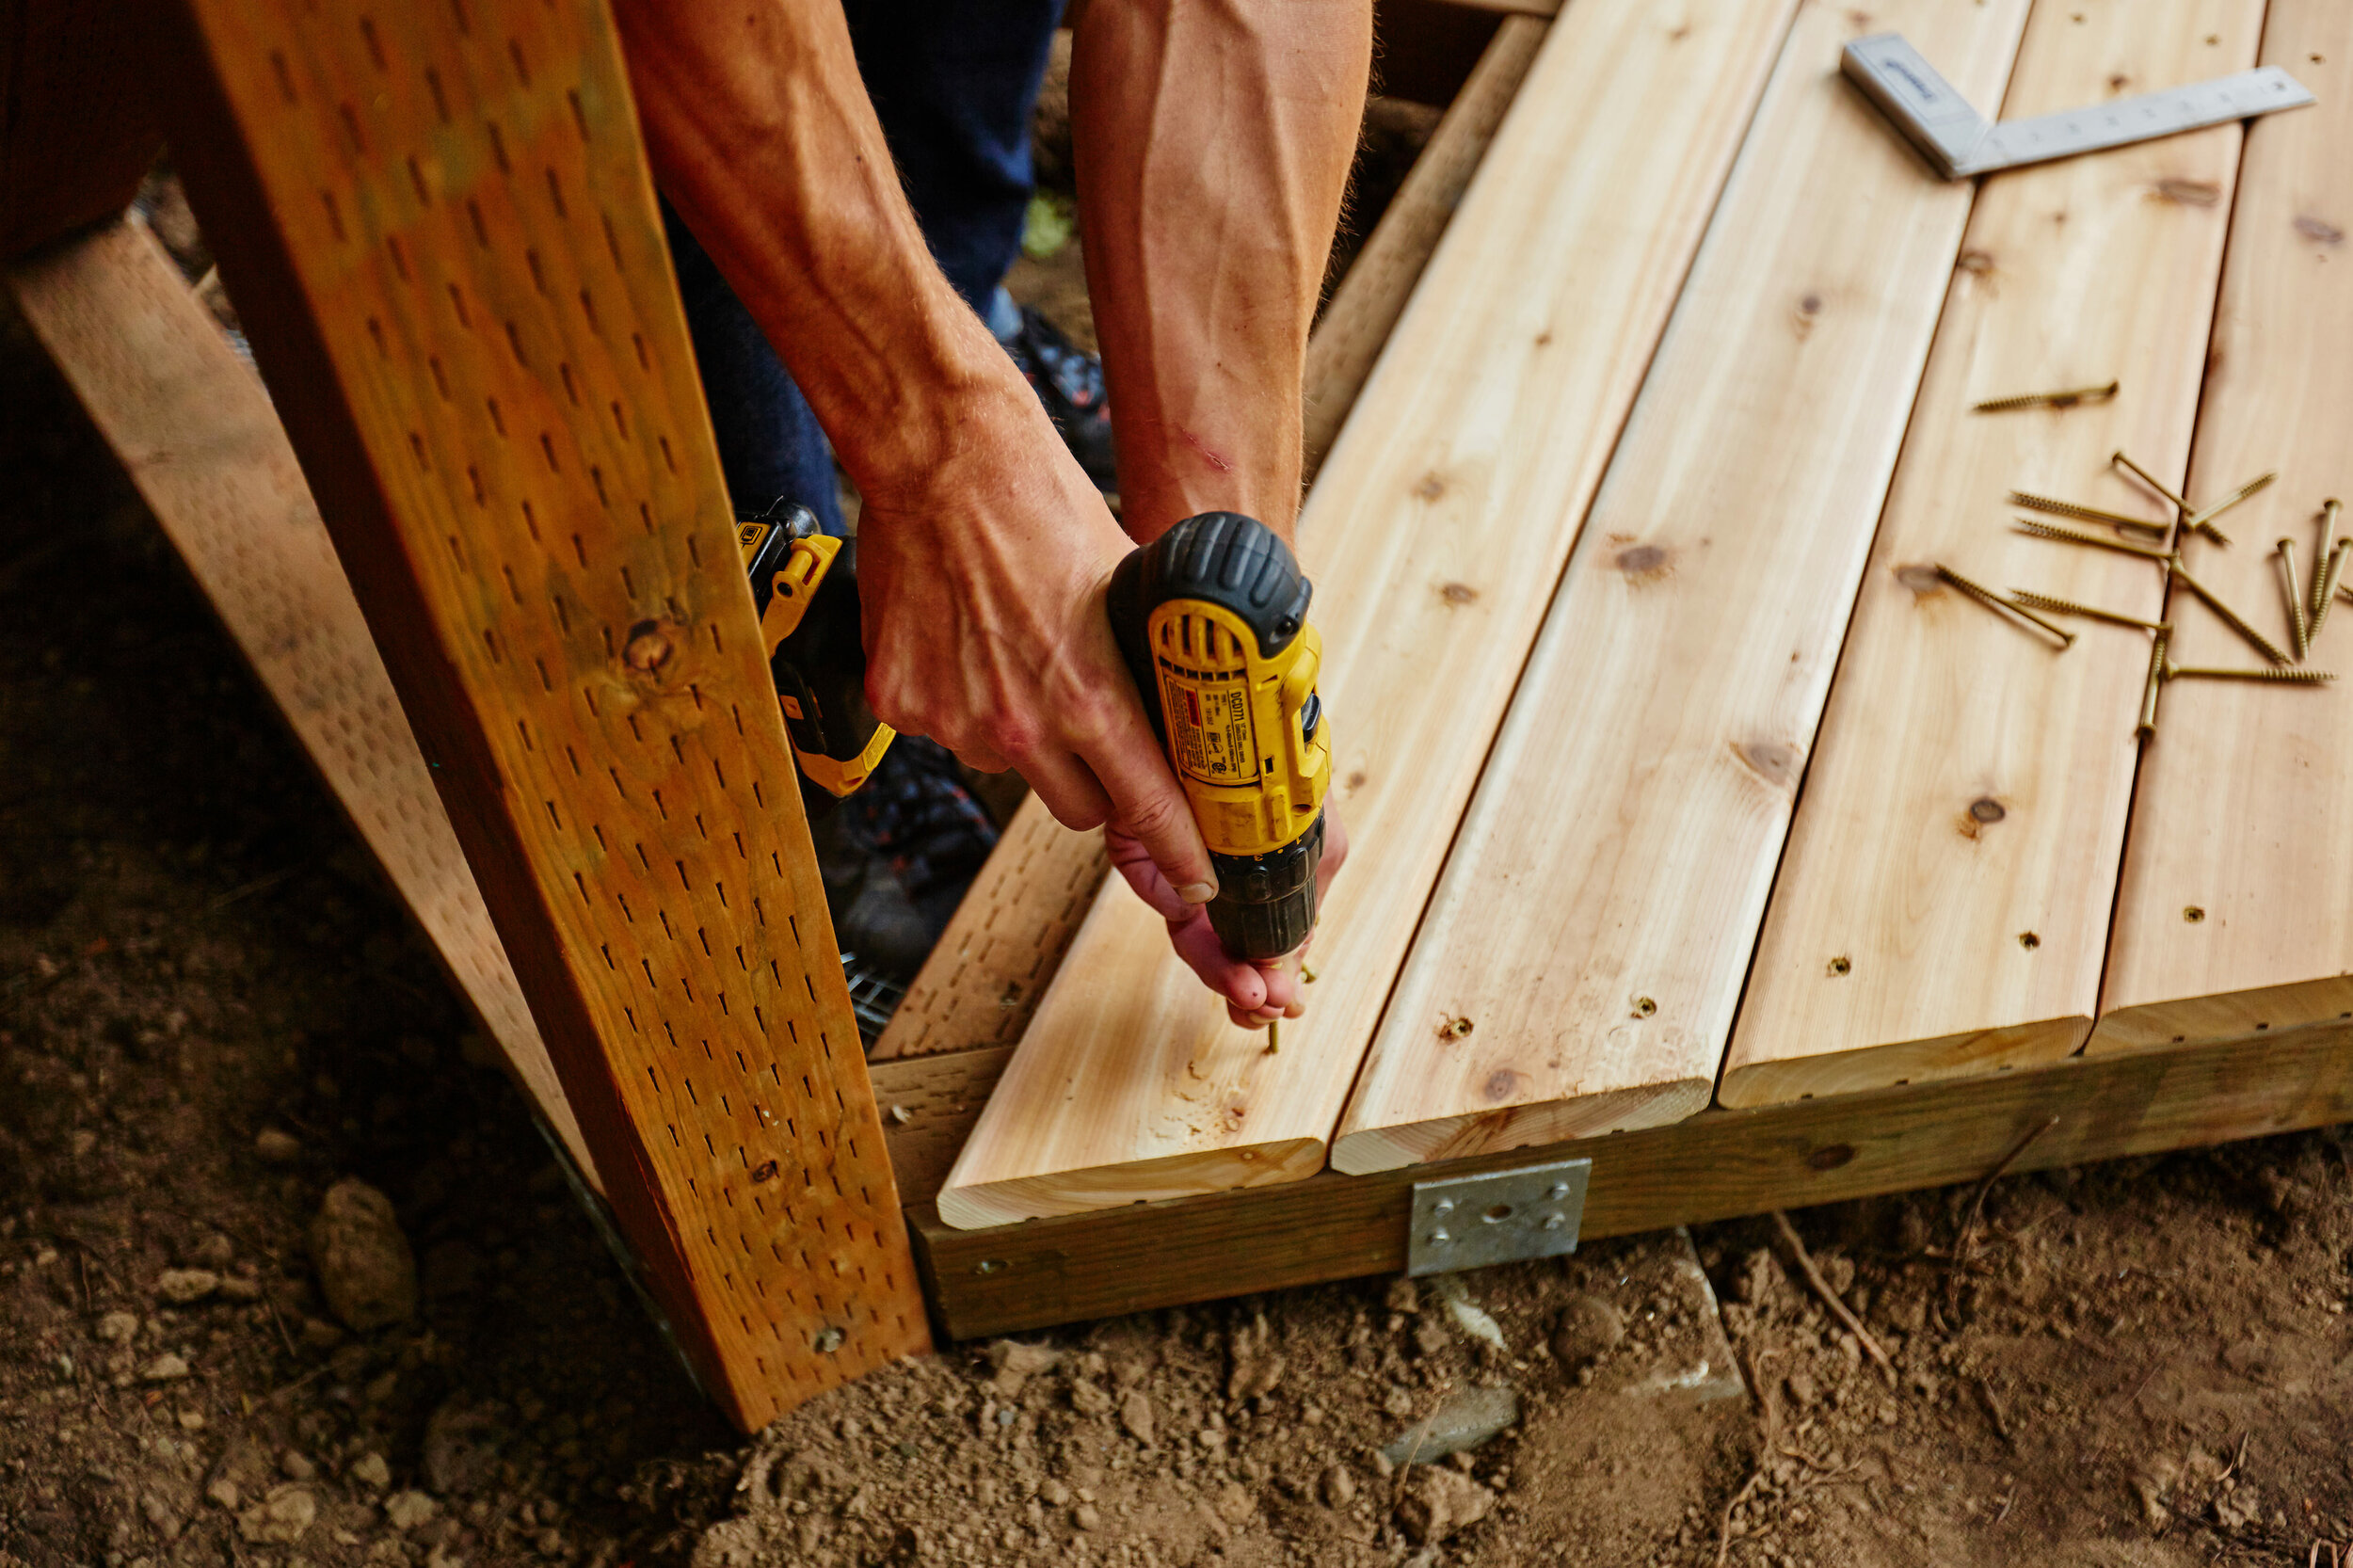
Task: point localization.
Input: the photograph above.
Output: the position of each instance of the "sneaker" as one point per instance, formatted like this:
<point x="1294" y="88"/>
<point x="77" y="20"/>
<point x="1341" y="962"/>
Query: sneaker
<point x="896" y="855"/>
<point x="920" y="818"/>
<point x="1069" y="381"/>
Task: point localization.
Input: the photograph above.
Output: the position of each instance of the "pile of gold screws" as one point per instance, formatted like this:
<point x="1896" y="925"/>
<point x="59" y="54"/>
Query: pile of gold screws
<point x="2307" y="599"/>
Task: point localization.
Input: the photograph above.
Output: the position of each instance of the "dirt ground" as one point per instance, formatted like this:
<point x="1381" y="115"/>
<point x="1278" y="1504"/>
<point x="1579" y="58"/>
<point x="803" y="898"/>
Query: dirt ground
<point x="212" y="1013"/>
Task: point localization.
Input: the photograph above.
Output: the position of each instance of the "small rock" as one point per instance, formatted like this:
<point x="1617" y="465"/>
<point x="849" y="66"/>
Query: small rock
<point x="296" y="1466"/>
<point x="276" y="1147"/>
<point x="183" y="1287"/>
<point x="1086" y="1517"/>
<point x="1399" y="1402"/>
<point x="1430" y="1336"/>
<point x="1055" y="1494"/>
<point x="365" y="1269"/>
<point x="1016" y="1363"/>
<point x="1467" y="1420"/>
<point x="165" y="1367"/>
<point x="117" y="1328"/>
<point x="1254" y="1376"/>
<point x="214" y="1252"/>
<point x="279" y="1519"/>
<point x="1760" y="1279"/>
<point x="406" y="1510"/>
<point x="1803" y="1390"/>
<point x="1588" y="1329"/>
<point x="236" y="1288"/>
<point x="461" y="1446"/>
<point x="1135" y="1415"/>
<point x="1404" y="1295"/>
<point x="320" y="1334"/>
<point x="1337" y="1486"/>
<point x="224" y="1493"/>
<point x="1439" y="1502"/>
<point x="370" y="1470"/>
<point x="1234" y="1503"/>
<point x="191" y="1420"/>
<point x="1089" y="1398"/>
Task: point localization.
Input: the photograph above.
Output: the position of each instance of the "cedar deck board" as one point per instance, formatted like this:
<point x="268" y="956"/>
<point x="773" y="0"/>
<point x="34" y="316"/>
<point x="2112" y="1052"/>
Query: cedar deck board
<point x="1943" y="904"/>
<point x="1436" y="532"/>
<point x="442" y="236"/>
<point x="1599" y="908"/>
<point x="2243" y="811"/>
<point x="1718" y="1165"/>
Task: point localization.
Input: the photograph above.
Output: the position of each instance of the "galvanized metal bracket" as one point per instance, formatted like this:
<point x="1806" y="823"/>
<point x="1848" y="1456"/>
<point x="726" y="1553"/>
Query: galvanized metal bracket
<point x="1501" y="1217"/>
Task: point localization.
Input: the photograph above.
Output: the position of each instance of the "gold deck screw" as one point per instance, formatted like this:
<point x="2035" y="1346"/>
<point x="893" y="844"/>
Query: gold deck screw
<point x="2277" y="677"/>
<point x="2203" y="522"/>
<point x="2255" y="639"/>
<point x="2071" y="397"/>
<point x="2089" y="611"/>
<point x="2147" y="728"/>
<point x="2042" y="530"/>
<point x="1994" y="601"/>
<point x="2298" y="627"/>
<point x="2152" y="482"/>
<point x="1274" y="1035"/>
<point x="2086" y="514"/>
<point x="2323" y="559"/>
<point x="2328" y="574"/>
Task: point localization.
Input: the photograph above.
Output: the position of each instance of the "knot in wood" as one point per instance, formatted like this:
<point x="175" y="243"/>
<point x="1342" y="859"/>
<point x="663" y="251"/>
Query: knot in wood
<point x="648" y="648"/>
<point x="1987" y="809"/>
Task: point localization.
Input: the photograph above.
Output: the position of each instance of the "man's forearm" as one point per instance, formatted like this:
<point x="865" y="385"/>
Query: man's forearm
<point x="762" y="136"/>
<point x="1213" y="142"/>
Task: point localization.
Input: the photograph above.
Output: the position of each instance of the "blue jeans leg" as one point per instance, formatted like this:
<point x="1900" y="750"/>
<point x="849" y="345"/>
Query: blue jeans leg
<point x="955" y="83"/>
<point x="769" y="441"/>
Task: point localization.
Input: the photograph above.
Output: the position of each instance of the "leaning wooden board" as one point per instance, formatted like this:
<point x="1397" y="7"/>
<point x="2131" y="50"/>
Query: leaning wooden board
<point x="1579" y="965"/>
<point x="1436" y="532"/>
<point x="195" y="433"/>
<point x="2234" y="913"/>
<point x="1944" y="905"/>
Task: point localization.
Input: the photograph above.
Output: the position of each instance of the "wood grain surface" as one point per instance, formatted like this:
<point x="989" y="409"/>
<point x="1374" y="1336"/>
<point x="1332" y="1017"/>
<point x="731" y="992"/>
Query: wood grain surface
<point x="990" y="967"/>
<point x="1578" y="967"/>
<point x="1944" y="903"/>
<point x="193" y="428"/>
<point x="1354" y="328"/>
<point x="1713" y="1166"/>
<point x="2233" y="914"/>
<point x="439" y="226"/>
<point x="1435" y="535"/>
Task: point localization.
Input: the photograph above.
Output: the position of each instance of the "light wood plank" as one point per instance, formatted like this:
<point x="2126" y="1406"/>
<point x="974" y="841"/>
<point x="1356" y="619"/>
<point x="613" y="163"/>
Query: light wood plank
<point x="1354" y="328"/>
<point x="439" y="226"/>
<point x="1435" y="535"/>
<point x="991" y="966"/>
<point x="198" y="436"/>
<point x="1717" y="1165"/>
<point x="1944" y="903"/>
<point x="1583" y="954"/>
<point x="2242" y="812"/>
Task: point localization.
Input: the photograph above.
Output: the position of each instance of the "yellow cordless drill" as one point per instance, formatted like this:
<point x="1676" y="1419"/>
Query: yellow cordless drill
<point x="1212" y="618"/>
<point x="805" y="586"/>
